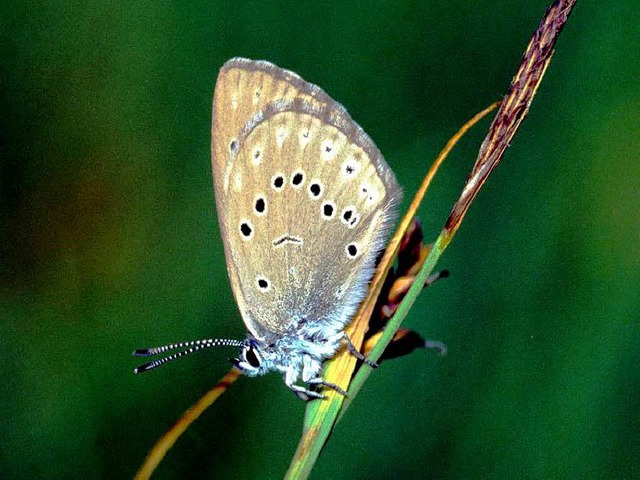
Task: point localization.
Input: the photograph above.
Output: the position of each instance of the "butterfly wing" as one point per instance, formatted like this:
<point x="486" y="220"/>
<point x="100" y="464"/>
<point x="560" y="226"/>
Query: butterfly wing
<point x="305" y="199"/>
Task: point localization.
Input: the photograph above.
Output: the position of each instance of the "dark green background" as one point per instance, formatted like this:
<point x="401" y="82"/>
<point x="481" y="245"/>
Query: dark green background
<point x="110" y="242"/>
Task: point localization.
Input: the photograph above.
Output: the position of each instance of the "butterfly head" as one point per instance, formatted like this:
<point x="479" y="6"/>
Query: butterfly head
<point x="254" y="358"/>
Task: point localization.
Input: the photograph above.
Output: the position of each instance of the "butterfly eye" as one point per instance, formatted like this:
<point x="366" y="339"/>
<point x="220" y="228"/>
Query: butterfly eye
<point x="252" y="357"/>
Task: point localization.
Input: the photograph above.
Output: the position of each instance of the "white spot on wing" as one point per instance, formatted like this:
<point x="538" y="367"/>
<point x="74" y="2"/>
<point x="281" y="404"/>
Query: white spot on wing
<point x="369" y="193"/>
<point x="353" y="250"/>
<point x="297" y="179"/>
<point x="349" y="216"/>
<point x="304" y="137"/>
<point x="328" y="150"/>
<point x="260" y="205"/>
<point x="278" y="178"/>
<point x="237" y="182"/>
<point x="315" y="190"/>
<point x="256" y="155"/>
<point x="281" y="134"/>
<point x="328" y="210"/>
<point x="246" y="229"/>
<point x="263" y="283"/>
<point x="350" y="168"/>
<point x="226" y="180"/>
<point x="287" y="238"/>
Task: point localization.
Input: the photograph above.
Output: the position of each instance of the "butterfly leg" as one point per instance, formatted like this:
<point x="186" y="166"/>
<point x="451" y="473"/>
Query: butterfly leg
<point x="311" y="374"/>
<point x="290" y="377"/>
<point x="333" y="386"/>
<point x="435" y="344"/>
<point x="304" y="394"/>
<point x="356" y="353"/>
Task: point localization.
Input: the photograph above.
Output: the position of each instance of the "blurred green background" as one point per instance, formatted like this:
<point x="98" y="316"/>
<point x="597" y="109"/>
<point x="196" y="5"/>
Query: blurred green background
<point x="109" y="240"/>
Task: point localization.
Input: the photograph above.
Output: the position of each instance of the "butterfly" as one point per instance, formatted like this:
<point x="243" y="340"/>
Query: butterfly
<point x="305" y="202"/>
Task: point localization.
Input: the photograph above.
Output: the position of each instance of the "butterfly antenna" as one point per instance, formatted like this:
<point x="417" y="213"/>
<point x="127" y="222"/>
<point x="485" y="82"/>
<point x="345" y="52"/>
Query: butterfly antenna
<point x="190" y="347"/>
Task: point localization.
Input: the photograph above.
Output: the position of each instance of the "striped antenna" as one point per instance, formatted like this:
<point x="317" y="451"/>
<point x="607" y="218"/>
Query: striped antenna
<point x="190" y="347"/>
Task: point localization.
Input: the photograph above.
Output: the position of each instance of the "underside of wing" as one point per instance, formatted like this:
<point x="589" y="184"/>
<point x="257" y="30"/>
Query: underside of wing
<point x="305" y="199"/>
